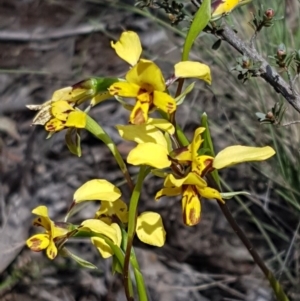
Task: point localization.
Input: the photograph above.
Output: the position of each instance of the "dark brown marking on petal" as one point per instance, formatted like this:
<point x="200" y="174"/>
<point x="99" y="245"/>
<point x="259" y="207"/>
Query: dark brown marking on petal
<point x="192" y="217"/>
<point x="208" y="167"/>
<point x="139" y="117"/>
<point x="37" y="222"/>
<point x="114" y="91"/>
<point x="51" y="254"/>
<point x="35" y="244"/>
<point x="170" y="107"/>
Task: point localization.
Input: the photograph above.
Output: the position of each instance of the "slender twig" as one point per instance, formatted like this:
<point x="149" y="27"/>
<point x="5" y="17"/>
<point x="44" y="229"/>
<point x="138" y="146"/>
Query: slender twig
<point x="26" y="36"/>
<point x="278" y="291"/>
<point x="290" y="123"/>
<point x="266" y="71"/>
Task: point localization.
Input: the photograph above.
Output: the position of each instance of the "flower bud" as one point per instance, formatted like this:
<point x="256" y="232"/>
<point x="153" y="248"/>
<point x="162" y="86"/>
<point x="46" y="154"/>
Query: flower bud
<point x="269" y="14"/>
<point x="246" y="62"/>
<point x="281" y="51"/>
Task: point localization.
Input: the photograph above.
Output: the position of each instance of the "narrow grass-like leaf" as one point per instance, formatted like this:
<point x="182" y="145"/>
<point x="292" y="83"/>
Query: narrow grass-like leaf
<point x="200" y="21"/>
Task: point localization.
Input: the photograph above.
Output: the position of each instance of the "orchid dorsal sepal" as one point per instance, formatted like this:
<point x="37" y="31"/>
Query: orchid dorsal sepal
<point x="192" y="69"/>
<point x="97" y="189"/>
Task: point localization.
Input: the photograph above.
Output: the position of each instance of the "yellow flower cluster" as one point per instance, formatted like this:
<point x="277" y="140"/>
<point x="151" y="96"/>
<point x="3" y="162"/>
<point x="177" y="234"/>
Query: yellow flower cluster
<point x="184" y="168"/>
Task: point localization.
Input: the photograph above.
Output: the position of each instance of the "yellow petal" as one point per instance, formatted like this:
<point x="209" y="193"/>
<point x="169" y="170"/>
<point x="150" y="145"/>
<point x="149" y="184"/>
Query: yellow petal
<point x="41" y="211"/>
<point x="58" y="231"/>
<point x="41" y="221"/>
<point x="103" y="248"/>
<point x="51" y="250"/>
<point x="197" y="140"/>
<point x="61" y="110"/>
<point x="139" y="114"/>
<point x="38" y="242"/>
<point x="142" y="133"/>
<point x="202" y="163"/>
<point x="237" y="154"/>
<point x="124" y="89"/>
<point x="168" y="191"/>
<point x="191" y="206"/>
<point x="210" y="193"/>
<point x="100" y="97"/>
<point x="98" y="226"/>
<point x="76" y="119"/>
<point x="54" y="125"/>
<point x="188" y="69"/>
<point x="62" y="94"/>
<point x="151" y="154"/>
<point x="164" y="102"/>
<point x="223" y="7"/>
<point x="118" y="234"/>
<point x="150" y="229"/>
<point x="147" y="75"/>
<point x="190" y="179"/>
<point x="162" y="124"/>
<point x="183" y="154"/>
<point x="128" y="47"/>
<point x="117" y="208"/>
<point x="97" y="189"/>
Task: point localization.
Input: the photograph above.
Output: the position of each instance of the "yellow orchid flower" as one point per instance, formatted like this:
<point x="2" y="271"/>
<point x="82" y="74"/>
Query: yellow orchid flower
<point x="188" y="166"/>
<point x="73" y="95"/>
<point x="63" y="116"/>
<point x="191" y="187"/>
<point x="145" y="81"/>
<point x="113" y="211"/>
<point x="112" y="232"/>
<point x="47" y="240"/>
<point x="146" y="84"/>
<point x="149" y="227"/>
<point x="152" y="143"/>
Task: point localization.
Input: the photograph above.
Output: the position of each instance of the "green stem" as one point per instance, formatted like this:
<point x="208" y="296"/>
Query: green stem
<point x="132" y="217"/>
<point x="93" y="127"/>
<point x="140" y="283"/>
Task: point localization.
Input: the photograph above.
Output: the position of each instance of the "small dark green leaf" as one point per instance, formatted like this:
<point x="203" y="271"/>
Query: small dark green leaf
<point x="217" y="44"/>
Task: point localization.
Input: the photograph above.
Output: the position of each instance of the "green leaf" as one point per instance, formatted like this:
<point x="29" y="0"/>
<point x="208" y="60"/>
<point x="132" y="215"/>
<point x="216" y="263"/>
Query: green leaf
<point x="207" y="144"/>
<point x="200" y="21"/>
<point x="80" y="261"/>
<point x="179" y="99"/>
<point x="229" y="195"/>
<point x="116" y="266"/>
<point x="101" y="84"/>
<point x="73" y="141"/>
<point x="217" y="44"/>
